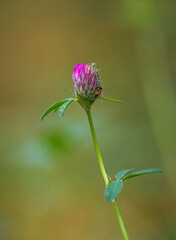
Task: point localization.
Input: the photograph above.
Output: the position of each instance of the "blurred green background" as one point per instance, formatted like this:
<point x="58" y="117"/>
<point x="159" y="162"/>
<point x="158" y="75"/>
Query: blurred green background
<point x="50" y="183"/>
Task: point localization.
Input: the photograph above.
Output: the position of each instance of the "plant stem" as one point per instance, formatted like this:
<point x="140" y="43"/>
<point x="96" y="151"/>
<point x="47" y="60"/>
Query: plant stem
<point x="122" y="226"/>
<point x="103" y="171"/>
<point x="104" y="174"/>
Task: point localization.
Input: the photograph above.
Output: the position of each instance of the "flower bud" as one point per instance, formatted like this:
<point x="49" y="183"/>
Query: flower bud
<point x="87" y="84"/>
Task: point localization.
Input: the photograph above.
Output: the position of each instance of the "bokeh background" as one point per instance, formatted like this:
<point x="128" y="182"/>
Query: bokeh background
<point x="50" y="183"/>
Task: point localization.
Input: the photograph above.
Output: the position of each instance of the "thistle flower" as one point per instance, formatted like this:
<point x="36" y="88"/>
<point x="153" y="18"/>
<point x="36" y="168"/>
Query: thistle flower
<point x="87" y="84"/>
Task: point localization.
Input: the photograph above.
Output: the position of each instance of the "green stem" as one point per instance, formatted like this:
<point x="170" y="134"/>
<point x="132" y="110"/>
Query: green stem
<point x="103" y="171"/>
<point x="104" y="174"/>
<point x="122" y="226"/>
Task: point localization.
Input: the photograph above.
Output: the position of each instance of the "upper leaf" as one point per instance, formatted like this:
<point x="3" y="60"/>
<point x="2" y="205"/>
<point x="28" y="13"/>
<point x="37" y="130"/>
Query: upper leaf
<point x="54" y="106"/>
<point x="144" y="171"/>
<point x="63" y="107"/>
<point x="122" y="173"/>
<point x="113" y="190"/>
<point x="112" y="100"/>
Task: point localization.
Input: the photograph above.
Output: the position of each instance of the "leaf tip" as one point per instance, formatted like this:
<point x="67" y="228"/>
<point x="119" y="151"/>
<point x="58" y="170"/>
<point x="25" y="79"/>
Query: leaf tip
<point x="41" y="118"/>
<point x="60" y="115"/>
<point x="161" y="170"/>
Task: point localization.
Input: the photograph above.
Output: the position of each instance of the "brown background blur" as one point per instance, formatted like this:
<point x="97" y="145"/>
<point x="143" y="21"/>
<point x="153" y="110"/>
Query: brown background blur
<point x="50" y="183"/>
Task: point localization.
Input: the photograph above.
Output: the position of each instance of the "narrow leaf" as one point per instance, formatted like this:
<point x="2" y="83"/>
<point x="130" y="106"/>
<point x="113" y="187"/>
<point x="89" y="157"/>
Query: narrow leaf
<point x="56" y="109"/>
<point x="63" y="107"/>
<point x="113" y="190"/>
<point x="122" y="173"/>
<point x="112" y="100"/>
<point x="144" y="171"/>
<point x="54" y="106"/>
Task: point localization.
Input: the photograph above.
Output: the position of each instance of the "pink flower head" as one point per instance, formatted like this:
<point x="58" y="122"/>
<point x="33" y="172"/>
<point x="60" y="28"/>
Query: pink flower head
<point x="87" y="82"/>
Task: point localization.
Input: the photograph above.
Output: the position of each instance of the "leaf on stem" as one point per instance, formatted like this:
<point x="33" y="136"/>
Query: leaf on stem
<point x="122" y="173"/>
<point x="144" y="171"/>
<point x="113" y="190"/>
<point x="63" y="107"/>
<point x="112" y="100"/>
<point x="54" y="106"/>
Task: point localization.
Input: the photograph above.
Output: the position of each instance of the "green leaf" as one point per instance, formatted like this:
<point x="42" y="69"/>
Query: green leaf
<point x="144" y="171"/>
<point x="122" y="173"/>
<point x="112" y="100"/>
<point x="63" y="107"/>
<point x="54" y="106"/>
<point x="113" y="190"/>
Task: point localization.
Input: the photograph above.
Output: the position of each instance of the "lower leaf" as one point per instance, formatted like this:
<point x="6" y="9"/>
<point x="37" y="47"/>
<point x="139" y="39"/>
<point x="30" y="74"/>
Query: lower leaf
<point x="144" y="171"/>
<point x="113" y="190"/>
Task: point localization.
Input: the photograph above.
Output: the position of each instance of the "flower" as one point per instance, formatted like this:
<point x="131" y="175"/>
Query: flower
<point x="87" y="84"/>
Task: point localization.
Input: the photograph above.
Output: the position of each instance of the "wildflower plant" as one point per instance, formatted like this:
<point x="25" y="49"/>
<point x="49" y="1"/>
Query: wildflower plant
<point x="87" y="89"/>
